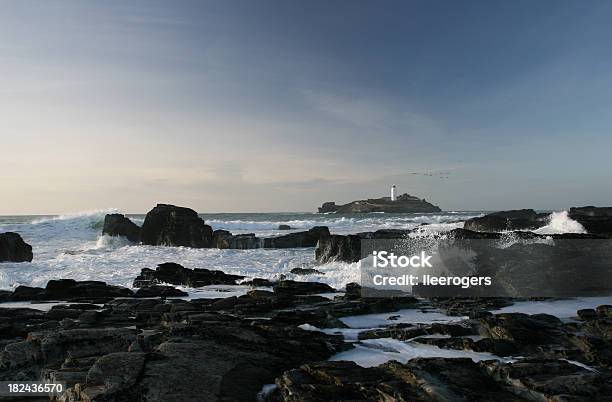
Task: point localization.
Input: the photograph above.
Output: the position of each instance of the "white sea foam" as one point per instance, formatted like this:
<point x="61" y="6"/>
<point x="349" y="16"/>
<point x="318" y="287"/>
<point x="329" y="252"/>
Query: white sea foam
<point x="373" y="352"/>
<point x="106" y="242"/>
<point x="71" y="246"/>
<point x="342" y="224"/>
<point x="560" y="222"/>
<point x="411" y="316"/>
<point x="563" y="309"/>
<point x="86" y="216"/>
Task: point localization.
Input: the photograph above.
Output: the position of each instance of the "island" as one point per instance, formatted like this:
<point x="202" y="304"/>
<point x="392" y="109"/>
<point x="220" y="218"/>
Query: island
<point x="404" y="203"/>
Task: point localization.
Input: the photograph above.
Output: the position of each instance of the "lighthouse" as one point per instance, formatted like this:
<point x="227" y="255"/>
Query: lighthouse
<point x="393" y="192"/>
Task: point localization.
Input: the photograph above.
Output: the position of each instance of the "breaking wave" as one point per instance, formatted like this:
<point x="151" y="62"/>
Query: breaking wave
<point x="560" y="222"/>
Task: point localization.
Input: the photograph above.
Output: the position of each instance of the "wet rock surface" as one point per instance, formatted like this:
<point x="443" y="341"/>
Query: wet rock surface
<point x="149" y="346"/>
<point x="520" y="219"/>
<point x="120" y="225"/>
<point x="595" y="220"/>
<point x="14" y="249"/>
<point x="69" y="290"/>
<point x="169" y="225"/>
<point x="308" y="238"/>
<point x="175" y="274"/>
<point x="438" y="379"/>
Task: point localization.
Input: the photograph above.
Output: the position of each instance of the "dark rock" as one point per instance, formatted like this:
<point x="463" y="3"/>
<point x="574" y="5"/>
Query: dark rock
<point x="520" y="219"/>
<point x="551" y="380"/>
<point x="587" y="314"/>
<point x="498" y="347"/>
<point x="339" y="248"/>
<point x="605" y="310"/>
<point x="432" y="379"/>
<point x="284" y="227"/>
<point x="595" y="220"/>
<point x="159" y="291"/>
<point x="169" y="225"/>
<point x="301" y="288"/>
<point x="176" y="274"/>
<point x="306" y="271"/>
<point x="309" y="238"/>
<point x="14" y="249"/>
<point x="522" y="328"/>
<point x="119" y="225"/>
<point x="247" y="241"/>
<point x="239" y="359"/>
<point x="260" y="282"/>
<point x="53" y="347"/>
<point x="113" y="377"/>
<point x="221" y="239"/>
<point x="404" y="203"/>
<point x="69" y="289"/>
<point x="328" y="207"/>
<point x="17" y="322"/>
<point x="352" y="291"/>
<point x="26" y="293"/>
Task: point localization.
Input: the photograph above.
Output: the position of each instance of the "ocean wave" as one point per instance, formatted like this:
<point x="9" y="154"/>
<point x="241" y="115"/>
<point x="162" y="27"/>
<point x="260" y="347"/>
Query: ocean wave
<point x="78" y="216"/>
<point x="560" y="222"/>
<point x="343" y="224"/>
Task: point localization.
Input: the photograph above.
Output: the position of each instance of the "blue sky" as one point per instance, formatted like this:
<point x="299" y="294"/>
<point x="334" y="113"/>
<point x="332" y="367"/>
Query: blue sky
<point x="281" y="105"/>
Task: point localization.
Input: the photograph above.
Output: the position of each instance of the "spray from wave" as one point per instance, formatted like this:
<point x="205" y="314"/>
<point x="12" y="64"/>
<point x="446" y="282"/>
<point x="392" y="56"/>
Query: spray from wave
<point x="560" y="222"/>
<point x="90" y="219"/>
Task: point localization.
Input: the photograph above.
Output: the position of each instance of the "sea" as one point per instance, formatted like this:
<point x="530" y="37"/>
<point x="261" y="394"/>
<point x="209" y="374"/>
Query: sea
<point x="72" y="245"/>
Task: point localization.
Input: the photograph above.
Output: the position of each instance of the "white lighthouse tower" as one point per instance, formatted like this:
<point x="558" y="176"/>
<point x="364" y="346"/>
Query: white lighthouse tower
<point x="393" y="192"/>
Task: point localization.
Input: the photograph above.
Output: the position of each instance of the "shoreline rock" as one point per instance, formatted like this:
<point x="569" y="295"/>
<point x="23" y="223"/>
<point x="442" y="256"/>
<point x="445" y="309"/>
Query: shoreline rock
<point x="154" y="349"/>
<point x="176" y="274"/>
<point x="404" y="203"/>
<point x="14" y="249"/>
<point x="520" y="219"/>
<point x="597" y="220"/>
<point x="169" y="225"/>
<point x="119" y="225"/>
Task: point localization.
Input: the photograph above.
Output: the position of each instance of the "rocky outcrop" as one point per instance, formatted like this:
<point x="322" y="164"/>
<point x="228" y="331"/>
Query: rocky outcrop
<point x="520" y="219"/>
<point x="14" y="249"/>
<point x="176" y="274"/>
<point x="345" y="248"/>
<point x="119" y="225"/>
<point x="225" y="240"/>
<point x="169" y="225"/>
<point x="405" y="203"/>
<point x="69" y="290"/>
<point x="328" y="207"/>
<point x="595" y="220"/>
<point x="99" y="358"/>
<point x="438" y="379"/>
<point x="309" y="238"/>
<point x="159" y="291"/>
<point x="301" y="288"/>
<point x="227" y="349"/>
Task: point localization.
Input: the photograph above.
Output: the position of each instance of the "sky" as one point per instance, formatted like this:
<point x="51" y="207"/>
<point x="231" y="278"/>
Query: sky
<point x="261" y="106"/>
